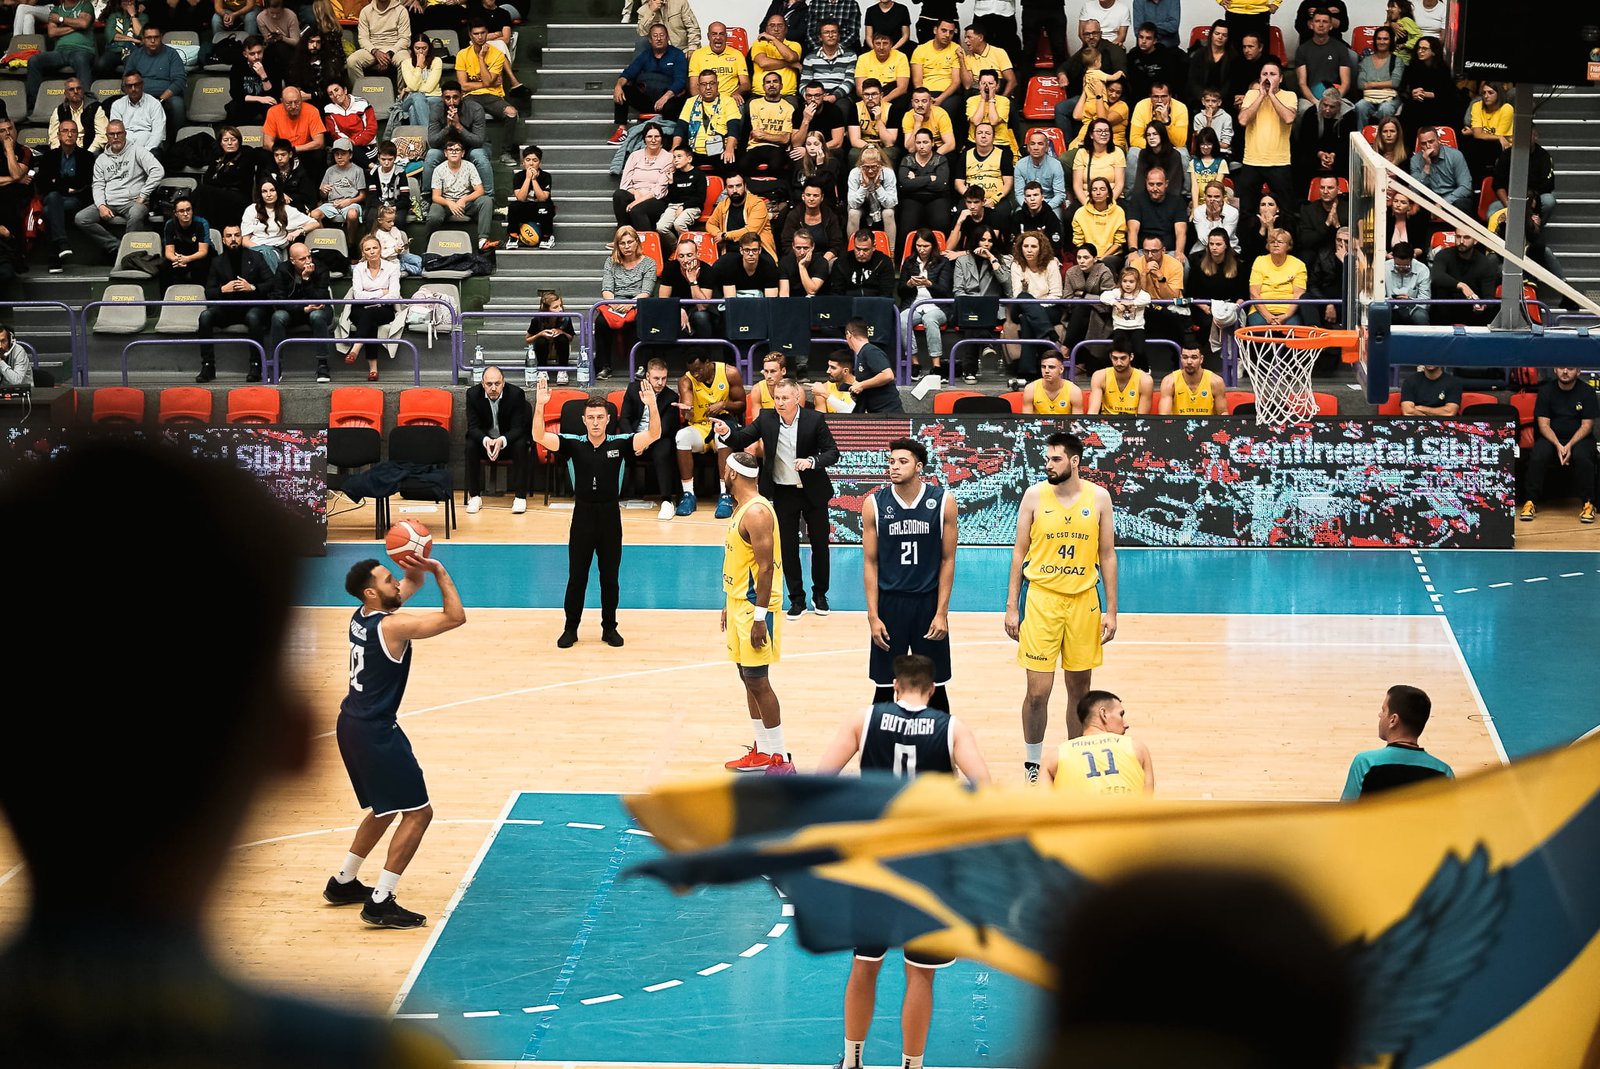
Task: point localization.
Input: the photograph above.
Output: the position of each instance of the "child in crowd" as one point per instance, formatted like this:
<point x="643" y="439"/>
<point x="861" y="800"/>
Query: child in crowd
<point x="551" y="338"/>
<point x="1127" y="303"/>
<point x="686" y="196"/>
<point x="386" y="181"/>
<point x="531" y="215"/>
<point x="394" y="242"/>
<point x="1212" y="117"/>
<point x="344" y="189"/>
<point x="1206" y="164"/>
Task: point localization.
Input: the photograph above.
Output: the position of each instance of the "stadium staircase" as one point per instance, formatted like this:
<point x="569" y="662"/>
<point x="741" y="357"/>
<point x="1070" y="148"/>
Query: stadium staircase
<point x="1569" y="129"/>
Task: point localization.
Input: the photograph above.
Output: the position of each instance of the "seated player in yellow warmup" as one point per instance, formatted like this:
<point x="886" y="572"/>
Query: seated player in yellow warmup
<point x="1121" y="389"/>
<point x="1192" y="390"/>
<point x="709" y="388"/>
<point x="834" y="395"/>
<point x="1052" y="393"/>
<point x="1105" y="760"/>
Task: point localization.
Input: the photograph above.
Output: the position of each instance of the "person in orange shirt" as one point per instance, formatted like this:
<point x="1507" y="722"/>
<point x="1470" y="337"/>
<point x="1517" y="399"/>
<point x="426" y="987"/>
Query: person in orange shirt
<point x="297" y="124"/>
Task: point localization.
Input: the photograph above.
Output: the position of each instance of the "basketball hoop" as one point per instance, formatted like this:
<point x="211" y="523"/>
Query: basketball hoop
<point x="1278" y="361"/>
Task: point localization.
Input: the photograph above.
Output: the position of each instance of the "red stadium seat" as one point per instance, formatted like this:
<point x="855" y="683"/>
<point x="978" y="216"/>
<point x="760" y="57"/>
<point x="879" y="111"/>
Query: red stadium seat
<point x="1470" y="398"/>
<point x="1442" y="239"/>
<point x="356" y="406"/>
<point x="1523" y="402"/>
<point x="1361" y="39"/>
<point x="880" y="241"/>
<point x="1311" y="194"/>
<point x="425" y="405"/>
<point x="1014" y="399"/>
<point x="1045" y="91"/>
<point x="1327" y="404"/>
<point x="1370" y="133"/>
<point x="1058" y="140"/>
<point x="1235" y="398"/>
<point x="1198" y="34"/>
<point x="1446" y="134"/>
<point x="117" y="404"/>
<point x="1276" y="48"/>
<point x="255" y="404"/>
<point x="650" y="245"/>
<point x="705" y="245"/>
<point x="713" y="192"/>
<point x="911" y="239"/>
<point x="1391" y="407"/>
<point x="184" y="404"/>
<point x="944" y="401"/>
<point x="738" y="38"/>
<point x="1486" y="198"/>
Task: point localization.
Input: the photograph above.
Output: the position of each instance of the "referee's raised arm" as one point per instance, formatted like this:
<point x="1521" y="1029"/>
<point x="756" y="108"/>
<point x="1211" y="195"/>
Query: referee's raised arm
<point x="541" y="397"/>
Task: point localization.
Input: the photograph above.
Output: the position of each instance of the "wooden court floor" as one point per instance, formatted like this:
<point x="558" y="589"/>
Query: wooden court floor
<point x="1232" y="707"/>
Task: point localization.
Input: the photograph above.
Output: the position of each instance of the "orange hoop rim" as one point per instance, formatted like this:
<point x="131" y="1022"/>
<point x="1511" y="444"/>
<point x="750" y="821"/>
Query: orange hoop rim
<point x="1298" y="336"/>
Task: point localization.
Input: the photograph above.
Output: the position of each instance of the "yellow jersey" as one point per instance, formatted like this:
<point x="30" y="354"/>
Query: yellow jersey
<point x="729" y="67"/>
<point x="1099" y="764"/>
<point x="1041" y="404"/>
<point x="1199" y="401"/>
<point x="705" y="394"/>
<point x="938" y="66"/>
<point x="739" y="560"/>
<point x="772" y="116"/>
<point x="1064" y="543"/>
<point x="1117" y="401"/>
<point x="764" y="398"/>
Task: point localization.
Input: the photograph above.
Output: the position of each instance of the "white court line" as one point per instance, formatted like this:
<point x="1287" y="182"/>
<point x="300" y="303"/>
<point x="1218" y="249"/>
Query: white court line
<point x="1477" y="695"/>
<point x="455" y="900"/>
<point x="10" y="873"/>
<point x="417" y="1016"/>
<point x="597" y="1000"/>
<point x="551" y="1008"/>
<point x="718" y="967"/>
<point x="587" y="827"/>
<point x="482" y="1013"/>
<point x="777" y="930"/>
<point x="1592" y="731"/>
<point x="752" y="951"/>
<point x="670" y="1065"/>
<point x="663" y="985"/>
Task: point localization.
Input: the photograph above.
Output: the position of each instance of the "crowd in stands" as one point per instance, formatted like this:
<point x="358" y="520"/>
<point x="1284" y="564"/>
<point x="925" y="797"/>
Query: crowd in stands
<point x="836" y="152"/>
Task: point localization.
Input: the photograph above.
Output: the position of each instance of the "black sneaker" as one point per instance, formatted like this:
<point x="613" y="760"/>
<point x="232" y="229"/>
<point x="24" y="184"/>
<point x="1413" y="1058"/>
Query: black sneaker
<point x="567" y="640"/>
<point x="322" y="373"/>
<point x="611" y="637"/>
<point x="254" y="375"/>
<point x="59" y="263"/>
<point x="819" y="604"/>
<point x="207" y="373"/>
<point x="346" y="894"/>
<point x="1031" y="770"/>
<point x="390" y="914"/>
<point x="797" y="609"/>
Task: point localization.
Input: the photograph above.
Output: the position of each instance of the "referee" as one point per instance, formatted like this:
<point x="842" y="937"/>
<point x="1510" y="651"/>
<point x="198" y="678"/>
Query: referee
<point x="595" y="462"/>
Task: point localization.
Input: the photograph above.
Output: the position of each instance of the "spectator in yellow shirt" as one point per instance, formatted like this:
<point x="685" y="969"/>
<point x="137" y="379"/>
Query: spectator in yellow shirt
<point x="935" y="64"/>
<point x="978" y="55"/>
<point x="1277" y="275"/>
<point x="481" y="71"/>
<point x="890" y="67"/>
<point x="728" y="64"/>
<point x="772" y="52"/>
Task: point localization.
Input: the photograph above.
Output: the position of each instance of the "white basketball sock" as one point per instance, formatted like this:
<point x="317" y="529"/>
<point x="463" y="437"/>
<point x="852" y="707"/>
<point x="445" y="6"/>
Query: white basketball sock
<point x="351" y="869"/>
<point x="852" y="1053"/>
<point x="387" y="881"/>
<point x="763" y="737"/>
<point x="1035" y="752"/>
<point x="912" y="1061"/>
<point x="775" y="742"/>
<point x="688" y="486"/>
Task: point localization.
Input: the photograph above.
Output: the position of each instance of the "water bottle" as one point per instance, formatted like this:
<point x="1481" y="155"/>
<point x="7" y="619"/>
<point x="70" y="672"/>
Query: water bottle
<point x="477" y="355"/>
<point x="530" y="369"/>
<point x="583" y="366"/>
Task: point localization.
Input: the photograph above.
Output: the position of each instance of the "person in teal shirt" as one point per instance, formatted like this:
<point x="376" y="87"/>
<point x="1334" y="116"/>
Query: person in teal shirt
<point x="1402" y="760"/>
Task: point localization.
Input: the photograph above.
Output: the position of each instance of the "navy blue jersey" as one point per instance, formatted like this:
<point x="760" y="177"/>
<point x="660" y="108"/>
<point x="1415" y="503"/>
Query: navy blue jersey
<point x="377" y="681"/>
<point x="904" y="742"/>
<point x="910" y="540"/>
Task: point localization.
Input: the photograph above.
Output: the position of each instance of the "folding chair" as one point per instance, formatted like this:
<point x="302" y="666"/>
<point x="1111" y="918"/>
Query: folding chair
<point x="426" y="445"/>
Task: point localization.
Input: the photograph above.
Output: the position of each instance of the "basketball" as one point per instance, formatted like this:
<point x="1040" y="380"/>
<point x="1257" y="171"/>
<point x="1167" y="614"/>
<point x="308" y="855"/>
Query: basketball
<point x="529" y="236"/>
<point x="408" y="538"/>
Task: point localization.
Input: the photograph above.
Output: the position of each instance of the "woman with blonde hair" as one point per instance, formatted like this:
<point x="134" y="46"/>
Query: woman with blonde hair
<point x="1276" y="275"/>
<point x="628" y="274"/>
<point x="1390" y="142"/>
<point x="873" y="195"/>
<point x="376" y="283"/>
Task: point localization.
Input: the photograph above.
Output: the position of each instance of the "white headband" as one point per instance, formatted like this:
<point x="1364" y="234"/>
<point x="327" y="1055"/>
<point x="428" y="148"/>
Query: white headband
<point x="749" y="471"/>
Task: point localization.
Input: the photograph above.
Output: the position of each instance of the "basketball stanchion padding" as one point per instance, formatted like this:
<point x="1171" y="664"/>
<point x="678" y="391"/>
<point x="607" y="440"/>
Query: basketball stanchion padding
<point x="1278" y="362"/>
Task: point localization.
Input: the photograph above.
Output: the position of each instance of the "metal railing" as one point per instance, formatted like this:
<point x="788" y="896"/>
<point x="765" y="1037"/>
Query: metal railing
<point x="416" y="354"/>
<point x="230" y="339"/>
<point x="75" y="330"/>
<point x="578" y="315"/>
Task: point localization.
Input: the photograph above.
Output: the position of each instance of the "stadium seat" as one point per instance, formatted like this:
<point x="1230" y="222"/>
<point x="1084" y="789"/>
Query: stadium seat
<point x="181" y="39"/>
<point x="938" y="241"/>
<point x="1486" y="198"/>
<point x="650" y="245"/>
<point x="1236" y="399"/>
<point x="980" y="404"/>
<point x="944" y="401"/>
<point x="739" y="38"/>
<point x="378" y="92"/>
<point x="216" y="66"/>
<point x="184" y="404"/>
<point x="1327" y="404"/>
<point x="105" y="90"/>
<point x="705" y="245"/>
<point x="209" y="97"/>
<point x="117" y="404"/>
<point x="425" y="404"/>
<point x="445" y="289"/>
<point x="1044" y="92"/>
<point x="255" y="404"/>
<point x="880" y="241"/>
<point x="1469" y="398"/>
<point x="1053" y="134"/>
<point x="1198" y="34"/>
<point x="184" y="319"/>
<point x="134" y="241"/>
<point x="1442" y="239"/>
<point x="51" y="94"/>
<point x="1489" y="413"/>
<point x="1523" y="401"/>
<point x="356" y="406"/>
<point x="552" y="422"/>
<point x="1311" y="193"/>
<point x="449" y="243"/>
<point x="35" y="137"/>
<point x="713" y="194"/>
<point x="448" y="42"/>
<point x="1014" y="399"/>
<point x="331" y="239"/>
<point x="428" y="446"/>
<point x="13" y="95"/>
<point x="251" y="136"/>
<point x="1447" y="135"/>
<point x="1276" y="47"/>
<point x="1370" y="133"/>
<point x="21" y="42"/>
<point x="1391" y="407"/>
<point x="1361" y="39"/>
<point x="120" y="316"/>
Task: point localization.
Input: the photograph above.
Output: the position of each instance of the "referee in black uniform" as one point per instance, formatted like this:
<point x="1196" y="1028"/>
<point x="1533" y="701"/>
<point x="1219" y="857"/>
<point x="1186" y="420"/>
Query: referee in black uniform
<point x="595" y="462"/>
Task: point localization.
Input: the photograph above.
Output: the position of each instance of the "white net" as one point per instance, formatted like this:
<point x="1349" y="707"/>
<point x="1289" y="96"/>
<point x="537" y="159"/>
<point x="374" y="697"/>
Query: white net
<point x="1279" y="369"/>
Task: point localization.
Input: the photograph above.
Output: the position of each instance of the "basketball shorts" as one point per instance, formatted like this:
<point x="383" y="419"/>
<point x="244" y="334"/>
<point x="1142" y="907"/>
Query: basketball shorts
<point x="908" y="617"/>
<point x="1060" y="629"/>
<point x="741" y="616"/>
<point x="695" y="438"/>
<point x="383" y="770"/>
<point x="913" y="957"/>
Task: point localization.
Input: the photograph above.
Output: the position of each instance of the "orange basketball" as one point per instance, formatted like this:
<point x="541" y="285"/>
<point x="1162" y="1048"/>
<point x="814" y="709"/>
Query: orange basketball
<point x="529" y="236"/>
<point x="408" y="538"/>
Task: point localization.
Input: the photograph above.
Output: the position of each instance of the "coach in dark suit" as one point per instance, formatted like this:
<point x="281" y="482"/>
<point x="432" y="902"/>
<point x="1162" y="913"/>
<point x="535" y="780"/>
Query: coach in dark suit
<point x="662" y="456"/>
<point x="798" y="449"/>
<point x="499" y="427"/>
